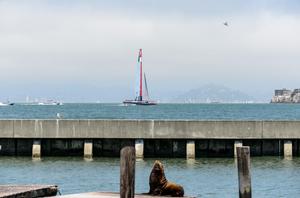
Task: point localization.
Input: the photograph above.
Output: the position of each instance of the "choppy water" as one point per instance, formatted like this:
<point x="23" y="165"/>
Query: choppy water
<point x="161" y="111"/>
<point x="271" y="176"/>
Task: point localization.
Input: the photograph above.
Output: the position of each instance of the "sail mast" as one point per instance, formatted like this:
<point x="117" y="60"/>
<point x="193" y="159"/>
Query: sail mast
<point x="141" y="75"/>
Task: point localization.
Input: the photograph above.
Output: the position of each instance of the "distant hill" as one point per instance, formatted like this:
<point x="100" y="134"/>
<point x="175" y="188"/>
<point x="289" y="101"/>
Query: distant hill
<point x="212" y="93"/>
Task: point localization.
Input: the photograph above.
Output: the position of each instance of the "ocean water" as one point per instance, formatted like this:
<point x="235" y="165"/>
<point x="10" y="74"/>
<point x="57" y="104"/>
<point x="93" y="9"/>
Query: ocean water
<point x="161" y="111"/>
<point x="203" y="177"/>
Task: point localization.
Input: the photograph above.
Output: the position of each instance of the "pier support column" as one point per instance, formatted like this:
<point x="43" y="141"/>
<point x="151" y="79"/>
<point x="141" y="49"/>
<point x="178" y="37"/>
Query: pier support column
<point x="36" y="149"/>
<point x="175" y="147"/>
<point x="287" y="148"/>
<point x="139" y="148"/>
<point x="190" y="149"/>
<point x="237" y="143"/>
<point x="88" y="149"/>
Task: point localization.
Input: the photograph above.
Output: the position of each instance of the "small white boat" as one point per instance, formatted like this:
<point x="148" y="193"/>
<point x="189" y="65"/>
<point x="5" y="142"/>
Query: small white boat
<point x="50" y="102"/>
<point x="6" y="104"/>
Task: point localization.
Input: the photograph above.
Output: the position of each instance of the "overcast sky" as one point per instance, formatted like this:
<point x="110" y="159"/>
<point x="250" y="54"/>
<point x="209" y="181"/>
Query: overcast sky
<point x="87" y="50"/>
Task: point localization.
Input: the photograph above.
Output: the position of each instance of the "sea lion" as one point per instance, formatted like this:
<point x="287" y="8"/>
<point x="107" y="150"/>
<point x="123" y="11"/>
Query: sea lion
<point x="159" y="185"/>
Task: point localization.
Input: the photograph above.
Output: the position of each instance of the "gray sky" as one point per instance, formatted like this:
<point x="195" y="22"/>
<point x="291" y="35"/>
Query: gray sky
<point x="87" y="50"/>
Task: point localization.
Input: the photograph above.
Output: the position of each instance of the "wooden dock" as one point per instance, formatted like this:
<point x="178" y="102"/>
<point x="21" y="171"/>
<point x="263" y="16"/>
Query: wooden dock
<point x="15" y="191"/>
<point x="107" y="195"/>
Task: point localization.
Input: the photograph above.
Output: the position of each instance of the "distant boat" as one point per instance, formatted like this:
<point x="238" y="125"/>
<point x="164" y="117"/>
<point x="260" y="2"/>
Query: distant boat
<point x="6" y="103"/>
<point x="50" y="102"/>
<point x="140" y="97"/>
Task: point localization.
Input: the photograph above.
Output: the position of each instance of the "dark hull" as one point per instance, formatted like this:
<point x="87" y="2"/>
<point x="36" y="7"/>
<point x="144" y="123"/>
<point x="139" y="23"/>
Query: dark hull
<point x="140" y="102"/>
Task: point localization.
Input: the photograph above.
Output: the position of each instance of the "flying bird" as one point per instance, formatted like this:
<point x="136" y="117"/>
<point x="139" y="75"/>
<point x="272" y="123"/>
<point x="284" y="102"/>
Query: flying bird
<point x="226" y="23"/>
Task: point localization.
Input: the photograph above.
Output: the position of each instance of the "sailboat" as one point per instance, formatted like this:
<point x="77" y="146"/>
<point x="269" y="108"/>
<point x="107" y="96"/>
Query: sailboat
<point x="141" y="98"/>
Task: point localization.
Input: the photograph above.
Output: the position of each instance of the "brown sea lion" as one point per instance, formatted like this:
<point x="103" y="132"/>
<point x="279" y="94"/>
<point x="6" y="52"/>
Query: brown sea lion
<point x="159" y="185"/>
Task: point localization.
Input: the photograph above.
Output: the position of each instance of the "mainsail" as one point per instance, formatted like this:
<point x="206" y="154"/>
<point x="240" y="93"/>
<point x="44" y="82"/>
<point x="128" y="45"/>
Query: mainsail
<point x="146" y="93"/>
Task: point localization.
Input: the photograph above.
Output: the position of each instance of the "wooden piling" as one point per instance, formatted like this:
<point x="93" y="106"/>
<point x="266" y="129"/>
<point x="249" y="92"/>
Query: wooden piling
<point x="243" y="157"/>
<point x="127" y="172"/>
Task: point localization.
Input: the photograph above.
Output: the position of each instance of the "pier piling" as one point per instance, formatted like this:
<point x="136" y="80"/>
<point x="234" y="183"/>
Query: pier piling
<point x="243" y="156"/>
<point x="36" y="149"/>
<point x="190" y="149"/>
<point x="287" y="148"/>
<point x="139" y="148"/>
<point x="127" y="172"/>
<point x="88" y="149"/>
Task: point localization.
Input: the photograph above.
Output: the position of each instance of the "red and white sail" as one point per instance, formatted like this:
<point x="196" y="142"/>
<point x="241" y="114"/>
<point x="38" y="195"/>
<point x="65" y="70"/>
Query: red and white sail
<point x="139" y="78"/>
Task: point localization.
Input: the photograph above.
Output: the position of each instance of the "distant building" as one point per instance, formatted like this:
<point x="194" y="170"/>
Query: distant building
<point x="282" y="92"/>
<point x="286" y="96"/>
<point x="296" y="91"/>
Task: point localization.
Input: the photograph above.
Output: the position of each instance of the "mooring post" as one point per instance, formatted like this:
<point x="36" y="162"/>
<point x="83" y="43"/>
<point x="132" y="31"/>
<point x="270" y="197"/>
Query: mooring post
<point x="243" y="157"/>
<point x="127" y="172"/>
<point x="237" y="143"/>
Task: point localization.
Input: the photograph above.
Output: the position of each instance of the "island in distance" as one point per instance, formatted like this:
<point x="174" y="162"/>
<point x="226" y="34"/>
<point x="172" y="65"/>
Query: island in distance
<point x="212" y="93"/>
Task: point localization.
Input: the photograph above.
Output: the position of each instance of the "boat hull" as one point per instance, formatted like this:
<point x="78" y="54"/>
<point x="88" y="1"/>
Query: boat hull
<point x="6" y="104"/>
<point x="140" y="102"/>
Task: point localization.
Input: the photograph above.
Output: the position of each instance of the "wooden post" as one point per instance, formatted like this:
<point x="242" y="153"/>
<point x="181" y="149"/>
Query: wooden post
<point x="243" y="157"/>
<point x="127" y="172"/>
<point x="237" y="143"/>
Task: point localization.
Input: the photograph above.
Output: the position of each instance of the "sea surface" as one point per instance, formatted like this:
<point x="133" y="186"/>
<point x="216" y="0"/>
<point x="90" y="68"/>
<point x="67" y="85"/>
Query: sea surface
<point x="203" y="177"/>
<point x="161" y="111"/>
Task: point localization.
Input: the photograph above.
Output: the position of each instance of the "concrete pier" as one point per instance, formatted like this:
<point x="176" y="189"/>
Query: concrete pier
<point x="190" y="149"/>
<point x="151" y="138"/>
<point x="237" y="143"/>
<point x="88" y="149"/>
<point x="139" y="148"/>
<point x="36" y="149"/>
<point x="287" y="148"/>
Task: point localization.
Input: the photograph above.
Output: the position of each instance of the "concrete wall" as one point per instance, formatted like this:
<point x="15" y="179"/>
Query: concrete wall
<point x="149" y="129"/>
<point x="6" y="128"/>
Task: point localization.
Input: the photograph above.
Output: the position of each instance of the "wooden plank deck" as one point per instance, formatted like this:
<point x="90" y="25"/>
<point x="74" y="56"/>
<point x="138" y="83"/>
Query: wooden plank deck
<point x="13" y="191"/>
<point x="106" y="195"/>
